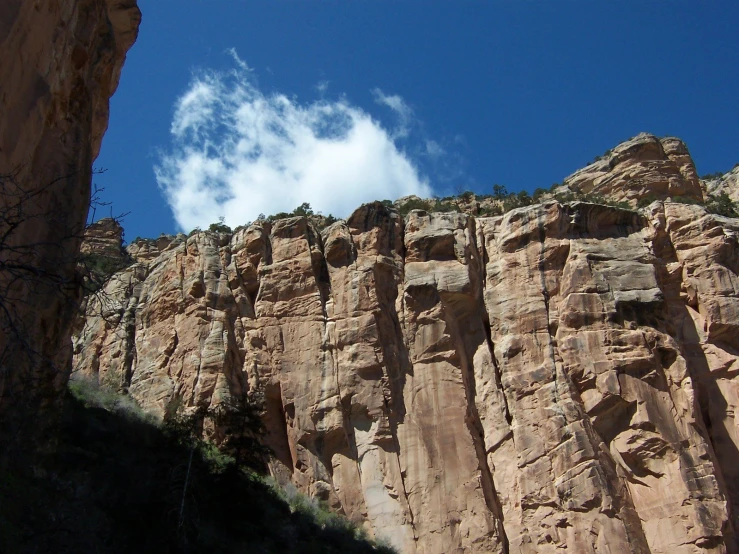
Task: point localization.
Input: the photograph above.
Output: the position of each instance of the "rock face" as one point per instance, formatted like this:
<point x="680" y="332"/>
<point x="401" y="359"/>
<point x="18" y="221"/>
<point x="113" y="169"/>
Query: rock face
<point x="104" y="238"/>
<point x="641" y="167"/>
<point x="61" y="62"/>
<point x="560" y="378"/>
<point x="728" y="183"/>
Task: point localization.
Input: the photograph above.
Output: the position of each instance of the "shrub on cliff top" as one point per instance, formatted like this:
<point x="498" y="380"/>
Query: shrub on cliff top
<point x="220" y="227"/>
<point x="415" y="204"/>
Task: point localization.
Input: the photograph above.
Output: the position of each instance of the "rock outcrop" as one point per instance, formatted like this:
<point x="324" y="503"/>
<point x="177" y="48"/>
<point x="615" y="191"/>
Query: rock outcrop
<point x="728" y="183"/>
<point x="61" y="62"/>
<point x="104" y="238"/>
<point x="642" y="167"/>
<point x="559" y="378"/>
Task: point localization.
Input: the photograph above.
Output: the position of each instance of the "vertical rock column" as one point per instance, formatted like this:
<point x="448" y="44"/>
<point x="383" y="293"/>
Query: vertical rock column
<point x="451" y="492"/>
<point x="557" y="485"/>
<point x="365" y="266"/>
<point x="704" y="317"/>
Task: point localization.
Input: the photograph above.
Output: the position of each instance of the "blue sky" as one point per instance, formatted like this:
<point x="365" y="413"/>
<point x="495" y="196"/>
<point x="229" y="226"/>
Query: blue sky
<point x="235" y="107"/>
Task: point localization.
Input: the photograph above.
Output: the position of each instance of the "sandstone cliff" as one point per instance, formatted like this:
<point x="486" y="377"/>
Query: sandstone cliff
<point x="61" y="62"/>
<point x="562" y="377"/>
<point x="644" y="166"/>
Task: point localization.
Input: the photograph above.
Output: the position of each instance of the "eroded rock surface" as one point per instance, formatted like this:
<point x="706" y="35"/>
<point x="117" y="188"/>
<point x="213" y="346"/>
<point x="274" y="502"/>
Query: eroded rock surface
<point x="560" y="378"/>
<point x="642" y="167"/>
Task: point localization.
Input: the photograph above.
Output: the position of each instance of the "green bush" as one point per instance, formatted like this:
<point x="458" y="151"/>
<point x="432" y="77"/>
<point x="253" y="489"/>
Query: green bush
<point x="599" y="199"/>
<point x="602" y="156"/>
<point x="443" y="207"/>
<point x="513" y="201"/>
<point x="712" y="176"/>
<point x="719" y="204"/>
<point x="279" y="215"/>
<point x="322" y="516"/>
<point x="722" y="204"/>
<point x="415" y="204"/>
<point x="99" y="268"/>
<point x="220" y="227"/>
<point x="564" y="197"/>
<point x="592" y="198"/>
<point x="303" y="210"/>
<point x="538" y="193"/>
<point x="492" y="210"/>
<point x="328" y="220"/>
<point x="645" y="201"/>
<point x="500" y="192"/>
<point x="685" y="200"/>
<point x="93" y="395"/>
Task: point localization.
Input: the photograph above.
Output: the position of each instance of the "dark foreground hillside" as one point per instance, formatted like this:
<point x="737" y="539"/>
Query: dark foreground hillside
<point x="116" y="482"/>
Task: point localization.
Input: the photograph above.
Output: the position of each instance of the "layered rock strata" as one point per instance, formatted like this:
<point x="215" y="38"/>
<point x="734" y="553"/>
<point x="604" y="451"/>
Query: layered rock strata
<point x="563" y="377"/>
<point x="61" y="62"/>
<point x="103" y="238"/>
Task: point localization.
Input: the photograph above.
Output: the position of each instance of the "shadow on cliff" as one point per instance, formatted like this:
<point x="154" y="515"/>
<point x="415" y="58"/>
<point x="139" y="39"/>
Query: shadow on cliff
<point x="117" y="483"/>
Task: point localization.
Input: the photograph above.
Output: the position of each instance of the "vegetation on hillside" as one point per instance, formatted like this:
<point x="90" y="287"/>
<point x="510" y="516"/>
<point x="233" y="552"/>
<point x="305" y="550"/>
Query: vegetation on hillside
<point x="719" y="204"/>
<point x="501" y="201"/>
<point x="304" y="210"/>
<point x="97" y="268"/>
<point x="722" y="204"/>
<point x="119" y="483"/>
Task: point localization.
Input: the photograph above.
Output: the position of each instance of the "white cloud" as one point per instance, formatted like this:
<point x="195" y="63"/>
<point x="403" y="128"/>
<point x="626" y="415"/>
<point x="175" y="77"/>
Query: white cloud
<point x="237" y="152"/>
<point x="434" y="149"/>
<point x="322" y="87"/>
<point x="400" y="107"/>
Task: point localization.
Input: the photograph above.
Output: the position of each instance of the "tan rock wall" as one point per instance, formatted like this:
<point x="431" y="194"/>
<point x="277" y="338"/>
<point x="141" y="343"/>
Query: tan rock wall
<point x="561" y="377"/>
<point x="644" y="166"/>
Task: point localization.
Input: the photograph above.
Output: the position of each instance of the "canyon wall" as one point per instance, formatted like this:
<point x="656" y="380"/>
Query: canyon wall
<point x="61" y="62"/>
<point x="562" y="377"/>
